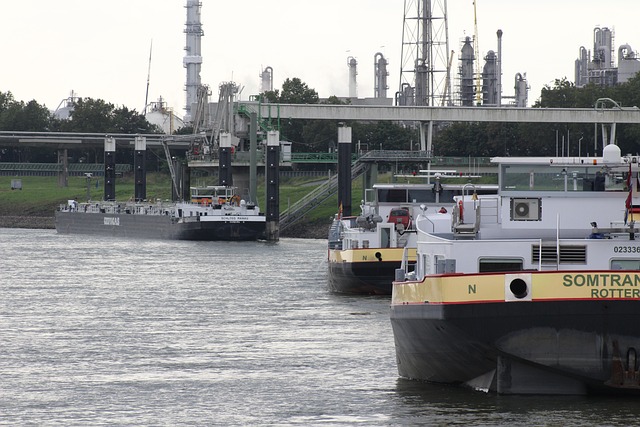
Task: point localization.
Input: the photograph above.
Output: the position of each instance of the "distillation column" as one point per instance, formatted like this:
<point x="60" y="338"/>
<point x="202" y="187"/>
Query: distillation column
<point x="193" y="55"/>
<point x="380" y="76"/>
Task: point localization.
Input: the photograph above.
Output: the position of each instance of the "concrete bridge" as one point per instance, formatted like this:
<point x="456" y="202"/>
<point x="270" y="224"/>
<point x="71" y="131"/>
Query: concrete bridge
<point x="599" y="114"/>
<point x="426" y="116"/>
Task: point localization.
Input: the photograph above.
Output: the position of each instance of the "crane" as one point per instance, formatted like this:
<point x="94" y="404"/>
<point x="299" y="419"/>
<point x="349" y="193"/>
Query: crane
<point x="447" y="86"/>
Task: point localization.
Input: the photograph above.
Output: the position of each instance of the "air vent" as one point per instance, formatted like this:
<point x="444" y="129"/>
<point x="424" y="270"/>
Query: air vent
<point x="525" y="209"/>
<point x="568" y="254"/>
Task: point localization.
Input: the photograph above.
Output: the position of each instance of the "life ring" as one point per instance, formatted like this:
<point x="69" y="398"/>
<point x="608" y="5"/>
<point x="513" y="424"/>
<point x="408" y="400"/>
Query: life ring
<point x="461" y="211"/>
<point x="220" y="200"/>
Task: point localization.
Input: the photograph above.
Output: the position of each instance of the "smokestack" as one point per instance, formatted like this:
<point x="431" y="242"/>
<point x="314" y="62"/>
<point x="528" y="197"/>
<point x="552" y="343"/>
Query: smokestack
<point x="353" y="72"/>
<point x="499" y="70"/>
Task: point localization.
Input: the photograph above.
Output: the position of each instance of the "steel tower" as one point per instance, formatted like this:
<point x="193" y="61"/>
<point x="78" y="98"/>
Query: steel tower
<point x="193" y="55"/>
<point x="425" y="50"/>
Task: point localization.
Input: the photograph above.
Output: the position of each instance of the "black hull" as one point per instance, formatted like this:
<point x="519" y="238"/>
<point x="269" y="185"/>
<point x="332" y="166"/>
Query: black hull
<point x="365" y="278"/>
<point x="156" y="227"/>
<point x="519" y="348"/>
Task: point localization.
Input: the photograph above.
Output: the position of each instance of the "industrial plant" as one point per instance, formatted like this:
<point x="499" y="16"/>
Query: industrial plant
<point x="427" y="67"/>
<point x="598" y="67"/>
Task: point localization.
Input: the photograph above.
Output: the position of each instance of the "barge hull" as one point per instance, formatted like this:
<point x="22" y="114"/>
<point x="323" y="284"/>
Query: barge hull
<point x="372" y="278"/>
<point x="519" y="348"/>
<point x="156" y="227"/>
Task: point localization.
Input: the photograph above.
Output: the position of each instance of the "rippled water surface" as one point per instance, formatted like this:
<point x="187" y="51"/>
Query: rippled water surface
<point x="97" y="331"/>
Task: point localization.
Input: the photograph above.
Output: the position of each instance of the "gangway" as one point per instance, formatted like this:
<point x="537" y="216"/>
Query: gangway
<point x="316" y="197"/>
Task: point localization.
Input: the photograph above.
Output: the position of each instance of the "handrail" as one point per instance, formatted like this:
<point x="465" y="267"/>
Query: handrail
<point x="59" y="167"/>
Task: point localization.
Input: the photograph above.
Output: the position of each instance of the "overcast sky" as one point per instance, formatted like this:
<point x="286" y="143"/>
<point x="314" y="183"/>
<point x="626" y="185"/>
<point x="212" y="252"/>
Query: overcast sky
<point x="100" y="49"/>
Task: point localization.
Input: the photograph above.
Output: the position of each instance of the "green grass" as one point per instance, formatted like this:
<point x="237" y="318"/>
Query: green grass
<point x="40" y="196"/>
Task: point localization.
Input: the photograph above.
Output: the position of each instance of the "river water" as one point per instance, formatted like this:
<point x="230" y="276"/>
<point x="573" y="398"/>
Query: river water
<point x="99" y="331"/>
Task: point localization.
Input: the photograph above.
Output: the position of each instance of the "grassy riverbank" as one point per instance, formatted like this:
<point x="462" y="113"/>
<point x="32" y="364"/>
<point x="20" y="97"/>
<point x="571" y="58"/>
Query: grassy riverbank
<point x="35" y="204"/>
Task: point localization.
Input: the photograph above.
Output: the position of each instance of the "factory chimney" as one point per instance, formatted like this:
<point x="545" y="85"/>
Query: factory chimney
<point x="499" y="71"/>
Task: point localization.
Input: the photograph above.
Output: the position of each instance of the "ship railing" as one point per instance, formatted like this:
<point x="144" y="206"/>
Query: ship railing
<point x="114" y="208"/>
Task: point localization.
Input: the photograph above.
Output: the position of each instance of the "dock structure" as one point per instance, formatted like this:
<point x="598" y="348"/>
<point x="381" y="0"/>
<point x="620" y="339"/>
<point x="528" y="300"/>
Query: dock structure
<point x="424" y="116"/>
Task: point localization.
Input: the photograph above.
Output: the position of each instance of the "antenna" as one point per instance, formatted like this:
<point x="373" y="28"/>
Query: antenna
<point x="146" y="96"/>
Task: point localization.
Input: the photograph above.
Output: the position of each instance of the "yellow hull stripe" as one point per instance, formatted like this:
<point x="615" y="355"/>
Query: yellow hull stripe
<point x="369" y="255"/>
<point x="541" y="286"/>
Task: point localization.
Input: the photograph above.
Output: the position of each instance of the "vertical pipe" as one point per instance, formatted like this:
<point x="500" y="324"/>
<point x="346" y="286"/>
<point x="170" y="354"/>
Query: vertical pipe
<point x="139" y="168"/>
<point x="272" y="174"/>
<point x="499" y="71"/>
<point x="344" y="170"/>
<point x="109" y="169"/>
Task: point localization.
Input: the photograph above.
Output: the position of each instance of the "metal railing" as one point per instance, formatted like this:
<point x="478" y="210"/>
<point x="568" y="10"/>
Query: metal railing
<point x="45" y="169"/>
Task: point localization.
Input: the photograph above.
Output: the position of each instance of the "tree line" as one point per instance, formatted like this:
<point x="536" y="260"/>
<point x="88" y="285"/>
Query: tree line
<point x="546" y="139"/>
<point x="88" y="116"/>
<point x="480" y="139"/>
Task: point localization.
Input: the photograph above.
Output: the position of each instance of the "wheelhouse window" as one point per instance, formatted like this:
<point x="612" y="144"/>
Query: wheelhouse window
<point x="625" y="264"/>
<point x="392" y="195"/>
<point x="569" y="178"/>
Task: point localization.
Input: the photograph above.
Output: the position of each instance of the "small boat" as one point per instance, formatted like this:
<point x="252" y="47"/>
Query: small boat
<point x="365" y="250"/>
<point x="213" y="213"/>
<point x="535" y="290"/>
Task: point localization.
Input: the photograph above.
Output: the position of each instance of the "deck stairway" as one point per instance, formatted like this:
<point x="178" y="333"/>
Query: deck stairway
<point x="315" y="198"/>
<point x="462" y="230"/>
